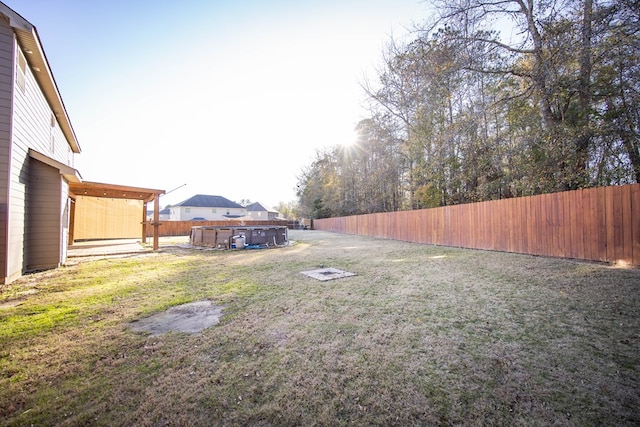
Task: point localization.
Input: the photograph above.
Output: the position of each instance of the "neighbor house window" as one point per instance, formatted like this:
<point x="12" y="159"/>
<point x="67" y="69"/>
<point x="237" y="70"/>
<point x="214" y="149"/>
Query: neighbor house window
<point x="214" y="211"/>
<point x="21" y="71"/>
<point x="187" y="210"/>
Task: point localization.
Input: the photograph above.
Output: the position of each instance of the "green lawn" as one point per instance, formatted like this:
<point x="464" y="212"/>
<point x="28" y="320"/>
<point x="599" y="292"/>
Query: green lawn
<point x="422" y="335"/>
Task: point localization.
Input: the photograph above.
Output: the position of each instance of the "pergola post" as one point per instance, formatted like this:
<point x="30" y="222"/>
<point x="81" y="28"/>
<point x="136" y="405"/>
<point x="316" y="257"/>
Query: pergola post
<point x="144" y="222"/>
<point x="156" y="221"/>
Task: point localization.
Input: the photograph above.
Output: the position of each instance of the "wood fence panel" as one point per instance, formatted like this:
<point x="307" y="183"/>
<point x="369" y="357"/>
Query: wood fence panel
<point x="561" y="225"/>
<point x="419" y="224"/>
<point x="589" y="218"/>
<point x="462" y="214"/>
<point x="519" y="223"/>
<point x="543" y="238"/>
<point x="556" y="230"/>
<point x="477" y="231"/>
<point x="487" y="226"/>
<point x="376" y="224"/>
<point x="531" y="226"/>
<point x="635" y="224"/>
<point x="539" y="222"/>
<point x="549" y="233"/>
<point x="525" y="224"/>
<point x="512" y="224"/>
<point x="435" y="226"/>
<point x="386" y="225"/>
<point x="534" y="224"/>
<point x="431" y="226"/>
<point x="542" y="241"/>
<point x="448" y="230"/>
<point x="599" y="224"/>
<point x="568" y="220"/>
<point x="503" y="224"/>
<point x="441" y="226"/>
<point x="627" y="236"/>
<point x="601" y="221"/>
<point x="361" y="222"/>
<point x="400" y="225"/>
<point x="576" y="218"/>
<point x="471" y="220"/>
<point x="481" y="226"/>
<point x="349" y="224"/>
<point x="406" y="235"/>
<point x="610" y="213"/>
<point x="493" y="220"/>
<point x="617" y="225"/>
<point x="413" y="227"/>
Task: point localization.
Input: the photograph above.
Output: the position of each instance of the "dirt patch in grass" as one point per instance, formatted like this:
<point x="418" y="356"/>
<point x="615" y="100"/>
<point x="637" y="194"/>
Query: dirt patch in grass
<point x="421" y="335"/>
<point x="188" y="318"/>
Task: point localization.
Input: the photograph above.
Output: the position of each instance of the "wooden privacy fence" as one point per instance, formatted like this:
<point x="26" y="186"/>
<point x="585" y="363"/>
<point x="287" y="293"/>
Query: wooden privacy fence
<point x="596" y="224"/>
<point x="183" y="228"/>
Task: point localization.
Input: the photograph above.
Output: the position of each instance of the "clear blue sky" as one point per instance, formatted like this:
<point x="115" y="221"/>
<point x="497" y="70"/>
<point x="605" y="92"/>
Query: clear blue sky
<point x="229" y="97"/>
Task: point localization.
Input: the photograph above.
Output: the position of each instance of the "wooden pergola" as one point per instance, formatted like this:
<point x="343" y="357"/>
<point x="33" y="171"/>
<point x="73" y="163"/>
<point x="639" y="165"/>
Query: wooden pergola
<point x="113" y="191"/>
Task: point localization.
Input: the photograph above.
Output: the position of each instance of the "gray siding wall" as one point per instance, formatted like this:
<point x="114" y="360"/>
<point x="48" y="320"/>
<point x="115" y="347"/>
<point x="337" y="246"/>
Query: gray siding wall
<point x="44" y="240"/>
<point x="6" y="101"/>
<point x="30" y="124"/>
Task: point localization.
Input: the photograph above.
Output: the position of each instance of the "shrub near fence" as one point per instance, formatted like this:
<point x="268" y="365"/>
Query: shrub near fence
<point x="596" y="224"/>
<point x="183" y="228"/>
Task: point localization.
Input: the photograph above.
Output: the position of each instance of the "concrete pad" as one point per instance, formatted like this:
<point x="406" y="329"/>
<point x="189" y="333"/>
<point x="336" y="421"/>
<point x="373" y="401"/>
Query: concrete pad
<point x="324" y="274"/>
<point x="188" y="318"/>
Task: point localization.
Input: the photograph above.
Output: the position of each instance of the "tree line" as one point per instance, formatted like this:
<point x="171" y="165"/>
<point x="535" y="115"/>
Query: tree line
<point x="490" y="100"/>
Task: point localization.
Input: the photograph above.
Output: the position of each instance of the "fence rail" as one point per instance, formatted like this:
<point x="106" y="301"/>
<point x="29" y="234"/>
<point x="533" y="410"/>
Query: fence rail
<point x="596" y="224"/>
<point x="183" y="228"/>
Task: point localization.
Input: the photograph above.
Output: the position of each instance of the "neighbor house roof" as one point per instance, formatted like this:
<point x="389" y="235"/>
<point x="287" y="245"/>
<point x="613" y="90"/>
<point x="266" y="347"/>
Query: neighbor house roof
<point x="257" y="207"/>
<point x="253" y="207"/>
<point x="29" y="41"/>
<point x="165" y="211"/>
<point x="205" y="201"/>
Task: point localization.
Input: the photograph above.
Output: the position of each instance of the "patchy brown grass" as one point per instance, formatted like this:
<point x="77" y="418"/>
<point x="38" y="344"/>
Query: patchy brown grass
<point x="422" y="335"/>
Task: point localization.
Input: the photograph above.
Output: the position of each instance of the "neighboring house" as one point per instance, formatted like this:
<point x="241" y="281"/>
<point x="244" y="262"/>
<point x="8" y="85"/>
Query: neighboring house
<point x="37" y="148"/>
<point x="163" y="215"/>
<point x="209" y="208"/>
<point x="256" y="212"/>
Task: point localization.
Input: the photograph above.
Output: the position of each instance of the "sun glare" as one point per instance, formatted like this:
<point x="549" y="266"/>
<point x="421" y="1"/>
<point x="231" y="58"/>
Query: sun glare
<point x="350" y="141"/>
